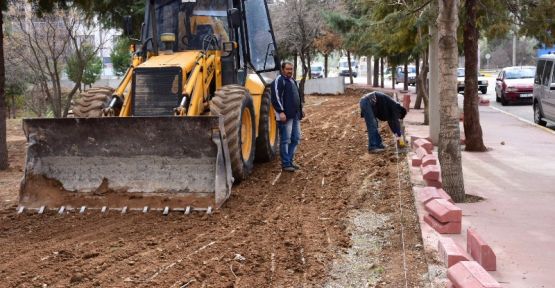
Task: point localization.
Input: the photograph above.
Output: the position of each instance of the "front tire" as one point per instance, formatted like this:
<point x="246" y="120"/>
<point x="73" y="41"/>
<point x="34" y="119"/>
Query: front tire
<point x="538" y="115"/>
<point x="235" y="103"/>
<point x="504" y="101"/>
<point x="267" y="140"/>
<point x="91" y="102"/>
<point x="484" y="90"/>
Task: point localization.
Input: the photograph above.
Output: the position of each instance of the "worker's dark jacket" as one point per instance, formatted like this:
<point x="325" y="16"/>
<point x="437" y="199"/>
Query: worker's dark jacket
<point x="285" y="97"/>
<point x="384" y="107"/>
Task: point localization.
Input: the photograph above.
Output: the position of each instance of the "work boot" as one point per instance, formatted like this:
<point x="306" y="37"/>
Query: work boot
<point x="376" y="150"/>
<point x="289" y="169"/>
<point x="295" y="166"/>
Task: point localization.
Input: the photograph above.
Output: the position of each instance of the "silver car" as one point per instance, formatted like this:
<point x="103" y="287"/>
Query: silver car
<point x="544" y="90"/>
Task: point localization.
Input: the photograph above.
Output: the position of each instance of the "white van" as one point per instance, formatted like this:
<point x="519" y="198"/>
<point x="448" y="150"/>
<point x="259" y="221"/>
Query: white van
<point x="343" y="67"/>
<point x="544" y="90"/>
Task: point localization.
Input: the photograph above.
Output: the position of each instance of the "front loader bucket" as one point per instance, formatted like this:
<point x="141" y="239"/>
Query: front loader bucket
<point x="126" y="163"/>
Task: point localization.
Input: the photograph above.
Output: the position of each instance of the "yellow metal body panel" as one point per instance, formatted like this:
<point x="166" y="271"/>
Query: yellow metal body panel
<point x="185" y="60"/>
<point x="256" y="89"/>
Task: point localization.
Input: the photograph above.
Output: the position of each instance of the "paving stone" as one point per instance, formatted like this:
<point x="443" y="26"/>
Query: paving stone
<point x="443" y="228"/>
<point x="469" y="274"/>
<point x="431" y="172"/>
<point x="444" y="211"/>
<point x="450" y="252"/>
<point x="480" y="251"/>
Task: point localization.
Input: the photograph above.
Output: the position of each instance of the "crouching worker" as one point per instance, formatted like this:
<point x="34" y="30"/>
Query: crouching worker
<point x="378" y="105"/>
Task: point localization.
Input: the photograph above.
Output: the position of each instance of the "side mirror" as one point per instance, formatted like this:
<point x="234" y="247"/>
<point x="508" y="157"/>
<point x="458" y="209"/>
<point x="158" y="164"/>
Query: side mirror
<point x="127" y="25"/>
<point x="234" y="16"/>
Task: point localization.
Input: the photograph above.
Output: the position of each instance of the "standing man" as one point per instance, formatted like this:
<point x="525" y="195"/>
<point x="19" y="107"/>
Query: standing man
<point x="289" y="111"/>
<point x="378" y="105"/>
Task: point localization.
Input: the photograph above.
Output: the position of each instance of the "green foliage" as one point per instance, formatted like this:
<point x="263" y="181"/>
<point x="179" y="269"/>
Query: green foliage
<point x="110" y="13"/>
<point x="90" y="66"/>
<point x="535" y="18"/>
<point x="121" y="56"/>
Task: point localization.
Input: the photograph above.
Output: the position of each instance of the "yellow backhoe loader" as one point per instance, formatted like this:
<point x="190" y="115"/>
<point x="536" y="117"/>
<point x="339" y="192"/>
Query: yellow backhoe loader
<point x="187" y="121"/>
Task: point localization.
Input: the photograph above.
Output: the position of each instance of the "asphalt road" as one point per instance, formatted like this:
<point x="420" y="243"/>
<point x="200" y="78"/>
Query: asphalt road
<point x="522" y="111"/>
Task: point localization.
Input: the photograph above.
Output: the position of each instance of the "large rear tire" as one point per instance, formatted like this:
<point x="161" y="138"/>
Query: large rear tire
<point x="91" y="102"/>
<point x="235" y="104"/>
<point x="267" y="140"/>
<point x="538" y="115"/>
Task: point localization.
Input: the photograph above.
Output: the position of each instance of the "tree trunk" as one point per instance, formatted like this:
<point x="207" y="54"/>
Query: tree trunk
<point x="393" y="77"/>
<point x="376" y="71"/>
<point x="449" y="134"/>
<point x="326" y="56"/>
<point x="350" y="68"/>
<point x="295" y="65"/>
<point x="3" y="141"/>
<point x="308" y="59"/>
<point x="422" y="88"/>
<point x="303" y="77"/>
<point x="418" y="102"/>
<point x="368" y="70"/>
<point x="381" y="73"/>
<point x="472" y="127"/>
<point x="406" y="77"/>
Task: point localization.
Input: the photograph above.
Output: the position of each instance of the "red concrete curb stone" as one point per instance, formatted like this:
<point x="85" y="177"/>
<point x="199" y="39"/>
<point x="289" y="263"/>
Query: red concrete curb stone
<point x="443" y="228"/>
<point x="450" y="252"/>
<point x="424" y="144"/>
<point x="480" y="251"/>
<point x="431" y="172"/>
<point x="469" y="274"/>
<point x="421" y="152"/>
<point x="429" y="159"/>
<point x="429" y="193"/>
<point x="434" y="183"/>
<point x="415" y="161"/>
<point x="444" y="211"/>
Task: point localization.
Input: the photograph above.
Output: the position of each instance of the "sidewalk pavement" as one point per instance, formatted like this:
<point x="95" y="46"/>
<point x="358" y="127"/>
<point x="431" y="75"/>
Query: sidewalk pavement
<point x="516" y="177"/>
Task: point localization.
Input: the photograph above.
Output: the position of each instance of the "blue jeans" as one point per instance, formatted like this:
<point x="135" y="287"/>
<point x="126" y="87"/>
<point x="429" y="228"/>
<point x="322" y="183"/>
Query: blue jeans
<point x="374" y="139"/>
<point x="290" y="137"/>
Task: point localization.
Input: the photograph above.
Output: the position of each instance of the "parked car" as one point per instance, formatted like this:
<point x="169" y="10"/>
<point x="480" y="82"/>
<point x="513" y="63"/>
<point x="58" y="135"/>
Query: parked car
<point x="482" y="82"/>
<point x="400" y="75"/>
<point x="544" y="90"/>
<point x="344" y="67"/>
<point x="317" y="71"/>
<point x="515" y="84"/>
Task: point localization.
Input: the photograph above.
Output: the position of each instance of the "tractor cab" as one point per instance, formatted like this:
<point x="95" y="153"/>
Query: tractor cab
<point x="211" y="25"/>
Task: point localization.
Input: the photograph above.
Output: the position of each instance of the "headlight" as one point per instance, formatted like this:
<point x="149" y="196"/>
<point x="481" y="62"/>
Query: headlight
<point x="511" y="89"/>
<point x="460" y="83"/>
<point x="485" y="82"/>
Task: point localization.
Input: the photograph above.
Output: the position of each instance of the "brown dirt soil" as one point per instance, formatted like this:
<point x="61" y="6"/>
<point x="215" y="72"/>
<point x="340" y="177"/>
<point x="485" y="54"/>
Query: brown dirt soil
<point x="277" y="229"/>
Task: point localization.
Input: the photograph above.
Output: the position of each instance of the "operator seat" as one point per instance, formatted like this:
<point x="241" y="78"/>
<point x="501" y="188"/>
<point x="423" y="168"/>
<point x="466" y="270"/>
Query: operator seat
<point x="202" y="31"/>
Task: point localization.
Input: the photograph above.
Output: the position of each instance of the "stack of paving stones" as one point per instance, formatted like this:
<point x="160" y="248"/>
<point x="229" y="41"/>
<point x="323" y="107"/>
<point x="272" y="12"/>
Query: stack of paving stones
<point x="466" y="269"/>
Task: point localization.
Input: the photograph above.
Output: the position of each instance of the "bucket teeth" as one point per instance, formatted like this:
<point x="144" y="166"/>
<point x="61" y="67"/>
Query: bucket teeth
<point x="105" y="209"/>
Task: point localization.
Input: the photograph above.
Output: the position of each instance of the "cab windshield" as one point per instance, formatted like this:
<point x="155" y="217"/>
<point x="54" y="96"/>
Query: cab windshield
<point x="205" y="29"/>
